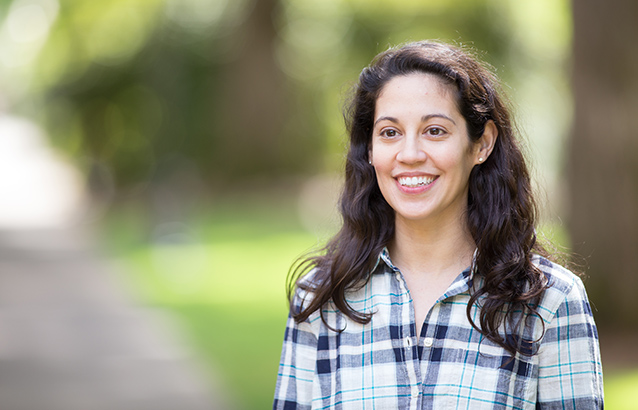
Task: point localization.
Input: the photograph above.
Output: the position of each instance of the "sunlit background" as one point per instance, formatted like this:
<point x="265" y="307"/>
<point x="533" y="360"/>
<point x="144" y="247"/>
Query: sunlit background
<point x="190" y="150"/>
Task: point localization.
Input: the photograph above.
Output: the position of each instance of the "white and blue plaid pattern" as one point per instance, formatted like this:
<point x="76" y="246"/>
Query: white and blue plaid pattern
<point x="384" y="365"/>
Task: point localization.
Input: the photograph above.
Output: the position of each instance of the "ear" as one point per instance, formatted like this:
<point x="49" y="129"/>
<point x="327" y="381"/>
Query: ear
<point x="370" y="155"/>
<point x="485" y="144"/>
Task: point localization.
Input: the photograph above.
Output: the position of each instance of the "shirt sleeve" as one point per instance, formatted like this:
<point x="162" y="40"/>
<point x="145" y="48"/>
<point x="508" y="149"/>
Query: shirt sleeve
<point x="297" y="367"/>
<point x="570" y="370"/>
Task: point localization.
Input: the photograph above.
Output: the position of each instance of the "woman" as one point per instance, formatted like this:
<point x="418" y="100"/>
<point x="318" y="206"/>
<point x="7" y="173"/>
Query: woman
<point x="435" y="294"/>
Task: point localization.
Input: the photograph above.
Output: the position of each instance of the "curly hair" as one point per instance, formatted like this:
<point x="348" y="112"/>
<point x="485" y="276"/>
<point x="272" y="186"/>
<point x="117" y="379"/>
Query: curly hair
<point x="501" y="212"/>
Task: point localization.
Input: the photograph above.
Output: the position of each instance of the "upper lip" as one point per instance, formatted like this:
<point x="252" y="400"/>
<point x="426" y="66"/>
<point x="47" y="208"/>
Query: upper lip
<point x="413" y="174"/>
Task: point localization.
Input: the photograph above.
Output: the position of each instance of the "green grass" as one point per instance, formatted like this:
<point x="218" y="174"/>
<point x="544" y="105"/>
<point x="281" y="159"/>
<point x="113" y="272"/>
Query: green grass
<point x="249" y="272"/>
<point x="620" y="390"/>
<point x="226" y="285"/>
<point x="241" y="345"/>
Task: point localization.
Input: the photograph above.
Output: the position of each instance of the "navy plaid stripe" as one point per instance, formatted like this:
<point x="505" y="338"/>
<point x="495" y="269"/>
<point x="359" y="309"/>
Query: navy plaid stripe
<point x="384" y="365"/>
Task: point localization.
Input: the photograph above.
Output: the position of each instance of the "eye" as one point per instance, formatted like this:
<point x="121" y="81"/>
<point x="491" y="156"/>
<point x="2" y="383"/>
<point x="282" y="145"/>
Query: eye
<point x="389" y="133"/>
<point x="435" y="131"/>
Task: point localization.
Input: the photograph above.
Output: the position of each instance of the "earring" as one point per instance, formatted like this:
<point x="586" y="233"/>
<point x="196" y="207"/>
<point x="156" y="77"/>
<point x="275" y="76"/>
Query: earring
<point x="370" y="162"/>
<point x="481" y="159"/>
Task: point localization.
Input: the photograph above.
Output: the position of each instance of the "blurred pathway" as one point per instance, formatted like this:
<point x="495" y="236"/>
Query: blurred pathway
<point x="70" y="337"/>
<point x="71" y="340"/>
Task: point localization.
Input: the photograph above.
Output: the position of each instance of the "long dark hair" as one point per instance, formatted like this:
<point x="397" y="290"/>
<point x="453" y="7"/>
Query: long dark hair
<point x="501" y="212"/>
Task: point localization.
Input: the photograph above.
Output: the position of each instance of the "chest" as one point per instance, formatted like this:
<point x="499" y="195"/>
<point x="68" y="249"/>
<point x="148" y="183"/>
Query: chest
<point x="424" y="293"/>
<point x="383" y="364"/>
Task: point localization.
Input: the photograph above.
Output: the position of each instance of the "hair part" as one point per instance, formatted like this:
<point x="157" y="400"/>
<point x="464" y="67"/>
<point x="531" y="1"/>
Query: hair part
<point x="501" y="212"/>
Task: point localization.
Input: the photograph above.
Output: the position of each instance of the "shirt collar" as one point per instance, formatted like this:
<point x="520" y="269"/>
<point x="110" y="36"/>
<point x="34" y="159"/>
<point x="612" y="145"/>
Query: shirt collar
<point x="460" y="284"/>
<point x="385" y="257"/>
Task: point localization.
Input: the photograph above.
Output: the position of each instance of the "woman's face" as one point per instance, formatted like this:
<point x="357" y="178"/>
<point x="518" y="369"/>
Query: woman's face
<point x="420" y="150"/>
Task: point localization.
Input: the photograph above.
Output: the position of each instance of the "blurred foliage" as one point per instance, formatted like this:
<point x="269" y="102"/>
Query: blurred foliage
<point x="204" y="93"/>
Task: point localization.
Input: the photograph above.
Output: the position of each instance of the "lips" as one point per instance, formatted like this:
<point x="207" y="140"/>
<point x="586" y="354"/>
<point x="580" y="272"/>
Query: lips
<point x="415" y="181"/>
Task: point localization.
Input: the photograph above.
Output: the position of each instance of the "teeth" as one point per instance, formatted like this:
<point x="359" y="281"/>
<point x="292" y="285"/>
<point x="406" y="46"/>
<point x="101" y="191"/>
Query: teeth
<point x="415" y="181"/>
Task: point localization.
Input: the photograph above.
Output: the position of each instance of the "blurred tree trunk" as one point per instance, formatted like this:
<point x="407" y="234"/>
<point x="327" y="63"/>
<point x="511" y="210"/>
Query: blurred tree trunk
<point x="253" y="98"/>
<point x="603" y="155"/>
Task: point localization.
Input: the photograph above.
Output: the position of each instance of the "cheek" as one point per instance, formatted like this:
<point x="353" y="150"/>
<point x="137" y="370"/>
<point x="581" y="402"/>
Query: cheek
<point x="467" y="165"/>
<point x="447" y="157"/>
<point x="460" y="156"/>
<point x="381" y="158"/>
<point x="457" y="165"/>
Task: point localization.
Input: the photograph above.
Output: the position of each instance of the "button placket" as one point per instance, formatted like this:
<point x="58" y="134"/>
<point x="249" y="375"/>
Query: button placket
<point x="412" y="362"/>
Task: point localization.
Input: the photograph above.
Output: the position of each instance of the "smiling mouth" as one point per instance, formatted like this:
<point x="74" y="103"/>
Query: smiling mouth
<point x="413" y="182"/>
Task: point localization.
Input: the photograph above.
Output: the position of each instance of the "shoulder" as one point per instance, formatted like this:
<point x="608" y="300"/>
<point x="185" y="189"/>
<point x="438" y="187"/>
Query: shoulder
<point x="305" y="290"/>
<point x="360" y="296"/>
<point x="563" y="288"/>
<point x="309" y="289"/>
<point x="558" y="277"/>
<point x="316" y="281"/>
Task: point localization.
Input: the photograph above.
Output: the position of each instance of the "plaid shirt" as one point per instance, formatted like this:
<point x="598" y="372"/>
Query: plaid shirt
<point x="384" y="365"/>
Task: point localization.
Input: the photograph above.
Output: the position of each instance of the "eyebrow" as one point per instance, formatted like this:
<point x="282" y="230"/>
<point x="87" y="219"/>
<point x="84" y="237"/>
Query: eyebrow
<point x="423" y="119"/>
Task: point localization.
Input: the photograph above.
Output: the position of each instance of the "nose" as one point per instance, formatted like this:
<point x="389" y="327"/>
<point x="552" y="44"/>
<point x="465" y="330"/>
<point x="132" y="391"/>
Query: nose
<point x="411" y="151"/>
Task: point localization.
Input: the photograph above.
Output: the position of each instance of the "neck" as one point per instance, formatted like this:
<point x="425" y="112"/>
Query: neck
<point x="433" y="251"/>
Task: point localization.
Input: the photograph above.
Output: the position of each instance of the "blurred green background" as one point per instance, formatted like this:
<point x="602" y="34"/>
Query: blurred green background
<point x="208" y="138"/>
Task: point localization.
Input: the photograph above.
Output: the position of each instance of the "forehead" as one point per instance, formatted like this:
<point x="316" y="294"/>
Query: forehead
<point x="432" y="80"/>
<point x="405" y="91"/>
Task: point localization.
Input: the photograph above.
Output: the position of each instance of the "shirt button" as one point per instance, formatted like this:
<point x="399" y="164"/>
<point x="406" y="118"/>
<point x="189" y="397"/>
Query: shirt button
<point x="428" y="342"/>
<point x="408" y="341"/>
<point x="415" y="394"/>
